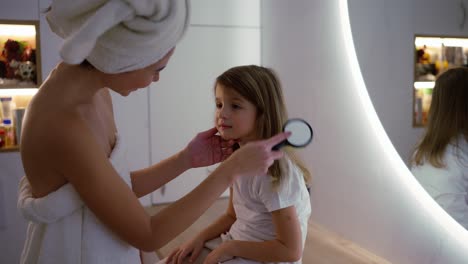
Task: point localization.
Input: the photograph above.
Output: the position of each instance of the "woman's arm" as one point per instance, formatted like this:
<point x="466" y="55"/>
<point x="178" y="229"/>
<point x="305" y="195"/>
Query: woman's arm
<point x="148" y="180"/>
<point x="286" y="247"/>
<point x="205" y="149"/>
<point x="86" y="166"/>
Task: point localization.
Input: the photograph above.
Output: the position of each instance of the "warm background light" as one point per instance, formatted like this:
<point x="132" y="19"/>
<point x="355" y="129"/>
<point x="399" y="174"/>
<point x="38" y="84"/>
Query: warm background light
<point x="438" y="42"/>
<point x="22" y="91"/>
<point x="424" y="85"/>
<point x="17" y="30"/>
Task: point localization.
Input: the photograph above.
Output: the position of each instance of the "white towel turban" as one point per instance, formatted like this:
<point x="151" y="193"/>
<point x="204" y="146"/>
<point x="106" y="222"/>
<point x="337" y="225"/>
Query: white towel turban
<point x="118" y="35"/>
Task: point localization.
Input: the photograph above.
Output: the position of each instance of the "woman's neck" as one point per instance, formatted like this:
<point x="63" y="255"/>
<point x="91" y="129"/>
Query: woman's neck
<point x="73" y="85"/>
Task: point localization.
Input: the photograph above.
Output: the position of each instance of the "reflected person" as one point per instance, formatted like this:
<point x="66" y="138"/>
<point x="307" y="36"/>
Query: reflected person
<point x="440" y="161"/>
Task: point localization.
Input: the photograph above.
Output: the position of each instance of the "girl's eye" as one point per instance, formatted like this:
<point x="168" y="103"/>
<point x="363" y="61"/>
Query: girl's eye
<point x="235" y="106"/>
<point x="218" y="105"/>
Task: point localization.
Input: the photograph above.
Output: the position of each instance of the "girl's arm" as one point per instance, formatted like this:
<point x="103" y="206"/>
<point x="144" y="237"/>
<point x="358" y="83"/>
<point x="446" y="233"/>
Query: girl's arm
<point x="194" y="246"/>
<point x="222" y="224"/>
<point x="286" y="247"/>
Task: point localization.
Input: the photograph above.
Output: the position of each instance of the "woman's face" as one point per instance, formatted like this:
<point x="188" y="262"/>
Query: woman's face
<point x="235" y="116"/>
<point x="127" y="82"/>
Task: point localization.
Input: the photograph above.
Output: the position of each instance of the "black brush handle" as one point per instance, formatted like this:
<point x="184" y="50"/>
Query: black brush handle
<point x="279" y="145"/>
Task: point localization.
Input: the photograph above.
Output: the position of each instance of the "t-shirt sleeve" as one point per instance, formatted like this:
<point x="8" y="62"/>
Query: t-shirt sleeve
<point x="284" y="195"/>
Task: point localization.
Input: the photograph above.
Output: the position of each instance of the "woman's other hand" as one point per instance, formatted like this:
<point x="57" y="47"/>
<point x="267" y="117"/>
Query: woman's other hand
<point x="207" y="149"/>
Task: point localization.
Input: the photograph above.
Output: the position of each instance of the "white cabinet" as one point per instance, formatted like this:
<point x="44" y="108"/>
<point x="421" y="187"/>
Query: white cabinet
<point x="182" y="102"/>
<point x="19" y="9"/>
<point x="50" y="43"/>
<point x="131" y="117"/>
<point x="243" y="13"/>
<point x="12" y="224"/>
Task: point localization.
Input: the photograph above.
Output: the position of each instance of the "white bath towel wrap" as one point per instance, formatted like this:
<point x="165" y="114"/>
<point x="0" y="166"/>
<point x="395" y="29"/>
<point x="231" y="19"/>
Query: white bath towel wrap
<point x="63" y="230"/>
<point x="118" y="35"/>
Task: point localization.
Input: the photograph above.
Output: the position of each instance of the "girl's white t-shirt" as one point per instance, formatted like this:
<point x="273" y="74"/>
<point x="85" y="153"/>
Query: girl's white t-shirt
<point x="449" y="185"/>
<point x="254" y="198"/>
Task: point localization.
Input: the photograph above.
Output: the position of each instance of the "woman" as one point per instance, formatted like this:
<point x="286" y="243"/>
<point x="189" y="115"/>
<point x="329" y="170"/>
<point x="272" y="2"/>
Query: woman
<point x="80" y="198"/>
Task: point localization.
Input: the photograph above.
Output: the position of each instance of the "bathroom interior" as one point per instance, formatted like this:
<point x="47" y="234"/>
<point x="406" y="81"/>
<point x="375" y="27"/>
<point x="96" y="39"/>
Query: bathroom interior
<point x="347" y="67"/>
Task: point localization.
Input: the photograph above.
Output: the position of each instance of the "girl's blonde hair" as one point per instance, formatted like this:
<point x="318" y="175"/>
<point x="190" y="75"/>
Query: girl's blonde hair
<point x="447" y="119"/>
<point x="261" y="87"/>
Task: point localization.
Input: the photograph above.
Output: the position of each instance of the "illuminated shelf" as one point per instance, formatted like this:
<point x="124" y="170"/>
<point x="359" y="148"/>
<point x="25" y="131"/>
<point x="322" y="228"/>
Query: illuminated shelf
<point x="424" y="85"/>
<point x="433" y="56"/>
<point x="20" y="64"/>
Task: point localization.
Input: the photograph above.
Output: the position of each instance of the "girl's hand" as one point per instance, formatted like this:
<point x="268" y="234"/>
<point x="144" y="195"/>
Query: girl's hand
<point x="207" y="149"/>
<point x="218" y="255"/>
<point x="190" y="249"/>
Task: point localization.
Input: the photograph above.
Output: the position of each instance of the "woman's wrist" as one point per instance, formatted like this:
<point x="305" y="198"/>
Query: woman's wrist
<point x="228" y="169"/>
<point x="202" y="236"/>
<point x="184" y="159"/>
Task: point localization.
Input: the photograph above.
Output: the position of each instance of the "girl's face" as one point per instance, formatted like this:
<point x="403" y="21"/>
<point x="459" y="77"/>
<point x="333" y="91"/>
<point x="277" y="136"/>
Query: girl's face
<point x="127" y="82"/>
<point x="235" y="116"/>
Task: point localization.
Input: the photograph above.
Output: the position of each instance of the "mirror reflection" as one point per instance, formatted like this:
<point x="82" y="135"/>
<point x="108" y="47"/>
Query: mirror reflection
<point x="440" y="162"/>
<point x="301" y="134"/>
<point x="435" y="146"/>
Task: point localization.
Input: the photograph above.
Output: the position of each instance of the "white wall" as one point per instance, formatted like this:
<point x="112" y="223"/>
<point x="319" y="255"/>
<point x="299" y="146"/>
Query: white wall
<point x="361" y="189"/>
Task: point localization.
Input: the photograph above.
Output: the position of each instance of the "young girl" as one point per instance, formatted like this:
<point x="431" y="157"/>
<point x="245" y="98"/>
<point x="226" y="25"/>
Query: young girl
<point x="267" y="216"/>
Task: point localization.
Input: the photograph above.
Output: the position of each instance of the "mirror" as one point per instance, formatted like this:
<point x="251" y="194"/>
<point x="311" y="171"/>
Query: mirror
<point x="362" y="189"/>
<point x="385" y="54"/>
<point x="301" y="134"/>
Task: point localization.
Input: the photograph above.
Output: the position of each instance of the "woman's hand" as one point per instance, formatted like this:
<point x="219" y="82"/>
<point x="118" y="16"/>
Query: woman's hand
<point x="254" y="158"/>
<point x="190" y="249"/>
<point x="207" y="149"/>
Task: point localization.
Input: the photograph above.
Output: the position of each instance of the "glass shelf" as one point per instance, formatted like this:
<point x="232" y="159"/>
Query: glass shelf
<point x="9" y="149"/>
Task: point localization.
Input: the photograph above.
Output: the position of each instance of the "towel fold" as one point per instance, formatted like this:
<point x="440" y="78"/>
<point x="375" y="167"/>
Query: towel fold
<point x="118" y="35"/>
<point x="51" y="208"/>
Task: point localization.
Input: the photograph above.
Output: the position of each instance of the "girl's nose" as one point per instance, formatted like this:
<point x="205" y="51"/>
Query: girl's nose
<point x="223" y="112"/>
